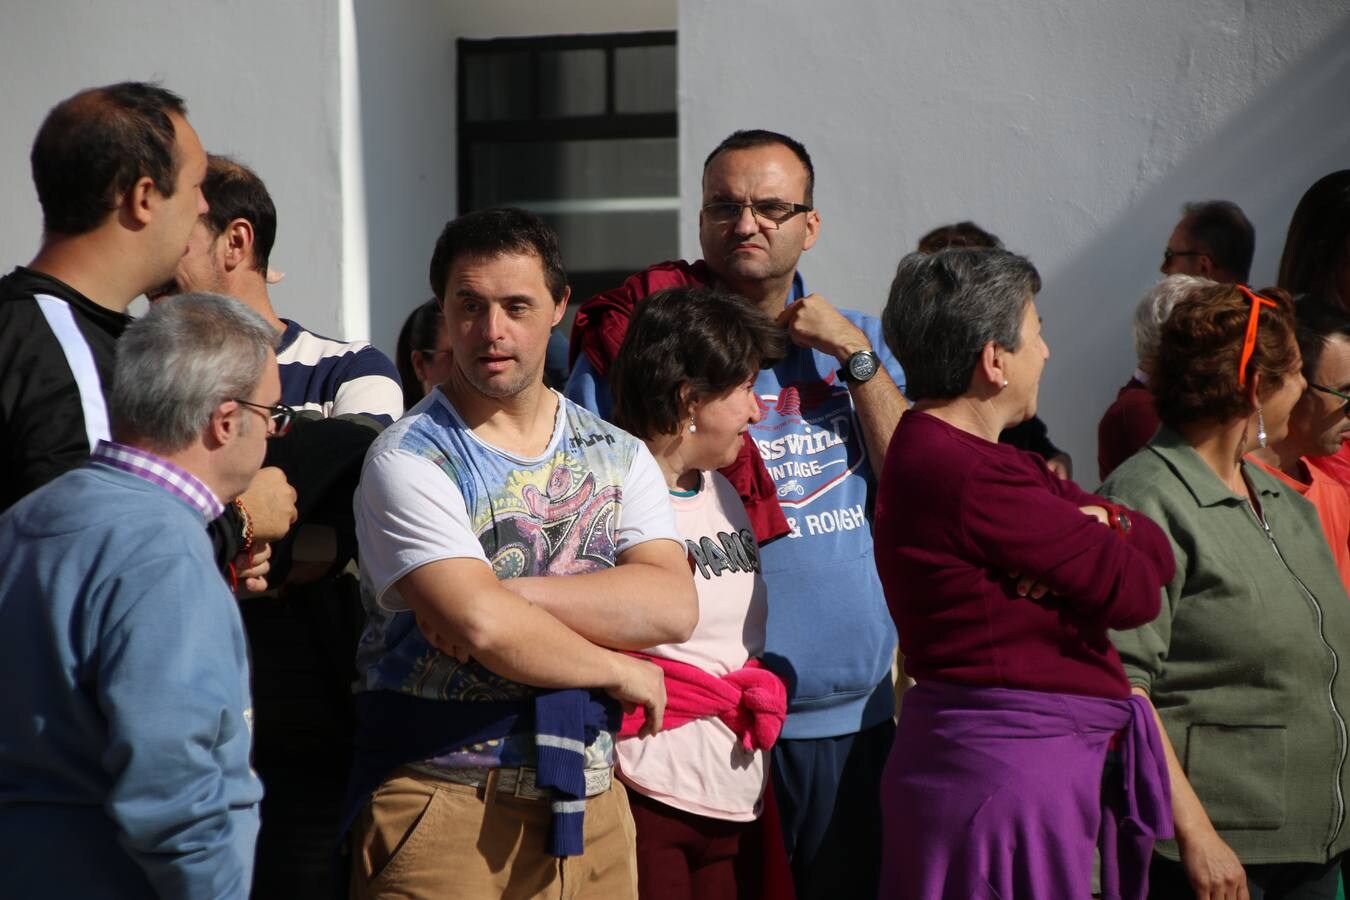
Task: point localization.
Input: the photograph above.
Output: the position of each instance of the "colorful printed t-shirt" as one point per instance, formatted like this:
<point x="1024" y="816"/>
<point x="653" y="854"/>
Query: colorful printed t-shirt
<point x="700" y="767"/>
<point x="431" y="489"/>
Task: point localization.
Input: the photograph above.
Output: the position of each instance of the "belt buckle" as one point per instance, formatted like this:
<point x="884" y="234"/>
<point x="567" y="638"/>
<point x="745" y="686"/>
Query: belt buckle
<point x="524" y="791"/>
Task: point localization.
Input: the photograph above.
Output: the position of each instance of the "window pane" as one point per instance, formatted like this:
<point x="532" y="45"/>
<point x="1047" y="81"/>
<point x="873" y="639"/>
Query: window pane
<point x="497" y="86"/>
<point x="571" y="83"/>
<point x="624" y="242"/>
<point x="614" y="204"/>
<point x="644" y="79"/>
<point x="525" y="173"/>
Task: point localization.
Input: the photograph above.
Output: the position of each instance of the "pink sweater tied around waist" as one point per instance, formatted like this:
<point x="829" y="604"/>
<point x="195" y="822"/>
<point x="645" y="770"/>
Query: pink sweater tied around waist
<point x="752" y="701"/>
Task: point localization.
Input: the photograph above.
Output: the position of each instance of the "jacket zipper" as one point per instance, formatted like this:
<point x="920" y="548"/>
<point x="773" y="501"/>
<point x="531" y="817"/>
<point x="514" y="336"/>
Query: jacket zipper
<point x="1335" y="668"/>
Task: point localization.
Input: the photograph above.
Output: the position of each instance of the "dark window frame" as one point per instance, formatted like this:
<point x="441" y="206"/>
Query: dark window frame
<point x="611" y="125"/>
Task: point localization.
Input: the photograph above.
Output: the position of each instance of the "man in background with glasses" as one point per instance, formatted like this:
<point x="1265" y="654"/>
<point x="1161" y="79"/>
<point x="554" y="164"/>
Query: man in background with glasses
<point x="126" y="732"/>
<point x="1319" y="423"/>
<point x="304" y="629"/>
<point x="807" y="475"/>
<point x="1213" y="240"/>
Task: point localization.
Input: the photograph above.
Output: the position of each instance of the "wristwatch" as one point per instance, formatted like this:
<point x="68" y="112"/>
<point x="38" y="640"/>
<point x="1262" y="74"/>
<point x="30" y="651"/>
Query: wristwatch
<point x="860" y="367"/>
<point x="1118" y="519"/>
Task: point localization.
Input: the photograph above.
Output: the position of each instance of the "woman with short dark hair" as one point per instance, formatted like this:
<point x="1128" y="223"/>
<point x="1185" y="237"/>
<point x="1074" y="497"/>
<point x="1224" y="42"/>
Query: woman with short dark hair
<point x="1246" y="663"/>
<point x="1003" y="580"/>
<point x="684" y="383"/>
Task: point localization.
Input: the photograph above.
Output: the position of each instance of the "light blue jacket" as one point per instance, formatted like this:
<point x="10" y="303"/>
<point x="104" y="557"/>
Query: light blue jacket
<point x="125" y="730"/>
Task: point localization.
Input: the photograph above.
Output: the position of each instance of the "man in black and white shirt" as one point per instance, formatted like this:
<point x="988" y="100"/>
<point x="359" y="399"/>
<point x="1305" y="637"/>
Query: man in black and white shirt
<point x="118" y="172"/>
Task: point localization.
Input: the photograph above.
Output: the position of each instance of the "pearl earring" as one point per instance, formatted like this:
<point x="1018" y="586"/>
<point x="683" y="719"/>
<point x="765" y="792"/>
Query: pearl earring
<point x="692" y="426"/>
<point x="1005" y="382"/>
<point x="1260" y="428"/>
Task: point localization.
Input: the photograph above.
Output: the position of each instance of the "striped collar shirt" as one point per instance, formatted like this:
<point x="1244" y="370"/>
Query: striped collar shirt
<point x="159" y="471"/>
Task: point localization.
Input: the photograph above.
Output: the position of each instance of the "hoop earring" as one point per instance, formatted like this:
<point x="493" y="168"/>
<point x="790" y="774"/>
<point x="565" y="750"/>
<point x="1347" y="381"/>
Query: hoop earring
<point x="1260" y="428"/>
<point x="692" y="426"/>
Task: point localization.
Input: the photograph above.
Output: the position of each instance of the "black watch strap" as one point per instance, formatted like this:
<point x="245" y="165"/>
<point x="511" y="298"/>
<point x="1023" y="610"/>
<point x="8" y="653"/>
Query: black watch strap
<point x="860" y="367"/>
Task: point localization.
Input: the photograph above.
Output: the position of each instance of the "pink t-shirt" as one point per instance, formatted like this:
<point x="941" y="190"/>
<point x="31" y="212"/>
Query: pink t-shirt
<point x="700" y="767"/>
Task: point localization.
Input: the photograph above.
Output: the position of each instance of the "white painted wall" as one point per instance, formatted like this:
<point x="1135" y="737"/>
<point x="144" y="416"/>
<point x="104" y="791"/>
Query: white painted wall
<point x="260" y="81"/>
<point x="399" y="138"/>
<point x="346" y="108"/>
<point x="1072" y="130"/>
<point x="405" y="67"/>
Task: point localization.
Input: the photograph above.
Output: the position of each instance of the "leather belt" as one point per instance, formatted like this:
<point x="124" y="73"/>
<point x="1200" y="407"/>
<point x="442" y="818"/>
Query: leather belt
<point x="519" y="782"/>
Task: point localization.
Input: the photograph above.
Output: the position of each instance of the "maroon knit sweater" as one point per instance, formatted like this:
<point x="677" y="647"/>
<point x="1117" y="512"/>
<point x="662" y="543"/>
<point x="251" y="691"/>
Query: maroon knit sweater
<point x="955" y="515"/>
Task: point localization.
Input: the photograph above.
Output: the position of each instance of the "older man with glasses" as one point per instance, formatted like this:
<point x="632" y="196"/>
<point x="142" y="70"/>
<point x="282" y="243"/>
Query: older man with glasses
<point x="807" y="475"/>
<point x="126" y="733"/>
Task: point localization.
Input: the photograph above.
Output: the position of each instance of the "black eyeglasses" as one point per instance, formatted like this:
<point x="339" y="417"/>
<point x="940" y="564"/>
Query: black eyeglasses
<point x="281" y="416"/>
<point x="775" y="212"/>
<point x="1335" y="393"/>
<point x="1169" y="254"/>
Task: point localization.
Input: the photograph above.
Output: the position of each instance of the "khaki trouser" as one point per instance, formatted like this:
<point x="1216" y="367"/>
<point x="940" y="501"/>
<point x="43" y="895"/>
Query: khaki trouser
<point x="423" y="837"/>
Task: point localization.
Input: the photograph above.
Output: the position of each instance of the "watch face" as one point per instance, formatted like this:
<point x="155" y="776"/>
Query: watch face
<point x="862" y="365"/>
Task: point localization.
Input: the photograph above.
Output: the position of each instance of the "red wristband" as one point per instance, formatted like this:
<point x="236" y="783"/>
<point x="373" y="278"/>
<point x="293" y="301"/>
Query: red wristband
<point x="1118" y="517"/>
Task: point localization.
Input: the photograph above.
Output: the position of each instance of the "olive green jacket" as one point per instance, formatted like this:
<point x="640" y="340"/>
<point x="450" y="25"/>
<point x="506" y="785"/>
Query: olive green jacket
<point x="1248" y="669"/>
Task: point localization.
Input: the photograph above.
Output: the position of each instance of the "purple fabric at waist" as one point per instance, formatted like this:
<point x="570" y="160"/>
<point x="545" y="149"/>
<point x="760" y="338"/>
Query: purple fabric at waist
<point x="1016" y="778"/>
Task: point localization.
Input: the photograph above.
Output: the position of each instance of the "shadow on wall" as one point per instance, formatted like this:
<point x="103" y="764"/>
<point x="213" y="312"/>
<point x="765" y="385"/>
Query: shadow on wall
<point x="1262" y="158"/>
<point x="406" y="83"/>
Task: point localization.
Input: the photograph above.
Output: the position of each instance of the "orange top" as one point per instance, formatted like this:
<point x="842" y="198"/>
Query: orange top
<point x="1332" y="500"/>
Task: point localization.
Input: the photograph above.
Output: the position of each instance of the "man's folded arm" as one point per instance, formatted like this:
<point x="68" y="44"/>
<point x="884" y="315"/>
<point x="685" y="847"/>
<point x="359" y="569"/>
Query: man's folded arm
<point x="460" y="604"/>
<point x="646" y="600"/>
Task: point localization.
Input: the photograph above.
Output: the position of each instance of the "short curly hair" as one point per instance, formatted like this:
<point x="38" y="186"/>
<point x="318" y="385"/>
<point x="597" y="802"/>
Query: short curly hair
<point x="1194" y="367"/>
<point x="704" y="339"/>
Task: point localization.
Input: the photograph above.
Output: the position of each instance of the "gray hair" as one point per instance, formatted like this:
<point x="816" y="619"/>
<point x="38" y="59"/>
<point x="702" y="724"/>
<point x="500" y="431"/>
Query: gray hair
<point x="944" y="307"/>
<point x="180" y="361"/>
<point x="1154" y="309"/>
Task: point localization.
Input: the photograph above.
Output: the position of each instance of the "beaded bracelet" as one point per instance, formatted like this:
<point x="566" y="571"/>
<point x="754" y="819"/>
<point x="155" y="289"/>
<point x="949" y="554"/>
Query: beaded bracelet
<point x="248" y="526"/>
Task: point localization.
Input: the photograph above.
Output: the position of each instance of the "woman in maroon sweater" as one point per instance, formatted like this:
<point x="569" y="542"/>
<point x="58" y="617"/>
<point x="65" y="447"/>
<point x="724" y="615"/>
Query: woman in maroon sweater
<point x="1003" y="580"/>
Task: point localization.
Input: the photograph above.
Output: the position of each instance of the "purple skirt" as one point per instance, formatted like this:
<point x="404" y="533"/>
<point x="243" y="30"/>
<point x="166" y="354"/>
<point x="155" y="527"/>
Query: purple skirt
<point x="997" y="793"/>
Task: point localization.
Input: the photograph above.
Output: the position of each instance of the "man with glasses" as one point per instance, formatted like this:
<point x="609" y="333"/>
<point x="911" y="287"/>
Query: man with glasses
<point x="118" y="172"/>
<point x="125" y="733"/>
<point x="305" y="627"/>
<point x="808" y="476"/>
<point x="1213" y="240"/>
<point x="1319" y="424"/>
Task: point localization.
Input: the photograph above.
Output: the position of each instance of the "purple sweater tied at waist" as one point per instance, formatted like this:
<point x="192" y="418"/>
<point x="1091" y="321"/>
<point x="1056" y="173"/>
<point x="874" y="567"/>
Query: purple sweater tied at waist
<point x="1002" y="789"/>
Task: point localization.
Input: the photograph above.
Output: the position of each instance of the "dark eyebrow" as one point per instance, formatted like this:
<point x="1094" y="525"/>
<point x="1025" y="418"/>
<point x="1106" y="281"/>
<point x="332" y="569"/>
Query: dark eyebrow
<point x="469" y="294"/>
<point x="723" y="198"/>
